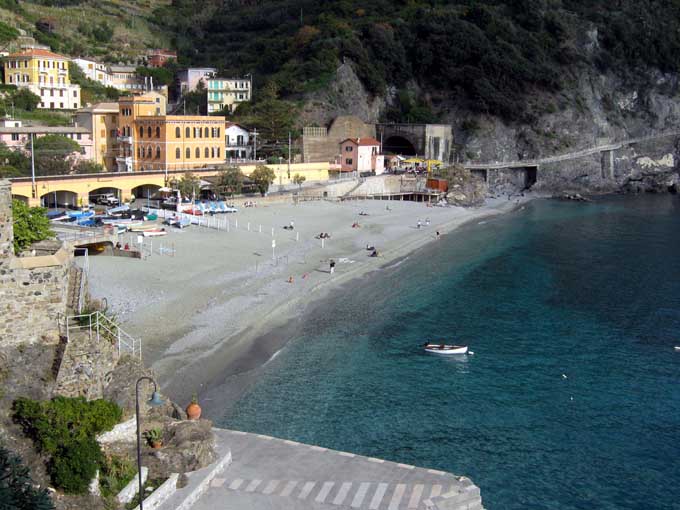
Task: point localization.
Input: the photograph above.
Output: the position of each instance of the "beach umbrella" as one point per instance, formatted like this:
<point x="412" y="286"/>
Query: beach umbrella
<point x="433" y="162"/>
<point x="413" y="160"/>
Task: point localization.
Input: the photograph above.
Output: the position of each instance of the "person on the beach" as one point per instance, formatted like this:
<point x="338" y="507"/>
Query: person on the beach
<point x="419" y="224"/>
<point x="437" y="234"/>
<point x="427" y="222"/>
<point x="292" y="224"/>
<point x="332" y="264"/>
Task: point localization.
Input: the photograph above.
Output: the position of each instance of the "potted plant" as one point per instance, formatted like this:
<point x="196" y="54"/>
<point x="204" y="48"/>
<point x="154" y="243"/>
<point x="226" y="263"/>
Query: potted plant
<point x="154" y="438"/>
<point x="193" y="409"/>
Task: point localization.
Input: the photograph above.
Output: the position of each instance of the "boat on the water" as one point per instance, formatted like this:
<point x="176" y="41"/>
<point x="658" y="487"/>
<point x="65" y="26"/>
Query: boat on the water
<point x="445" y="348"/>
<point x="677" y="348"/>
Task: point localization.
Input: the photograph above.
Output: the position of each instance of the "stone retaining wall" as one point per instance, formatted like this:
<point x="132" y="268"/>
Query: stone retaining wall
<point x="32" y="289"/>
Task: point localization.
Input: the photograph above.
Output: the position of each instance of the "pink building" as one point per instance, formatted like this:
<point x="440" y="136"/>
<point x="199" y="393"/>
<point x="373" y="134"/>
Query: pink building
<point x="361" y="155"/>
<point x="16" y="136"/>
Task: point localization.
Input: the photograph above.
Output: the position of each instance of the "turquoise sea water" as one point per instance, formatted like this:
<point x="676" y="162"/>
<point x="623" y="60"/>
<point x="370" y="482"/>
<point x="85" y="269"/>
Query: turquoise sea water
<point x="591" y="291"/>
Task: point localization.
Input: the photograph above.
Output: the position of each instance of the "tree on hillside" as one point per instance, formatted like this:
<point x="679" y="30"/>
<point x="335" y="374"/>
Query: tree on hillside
<point x="263" y="177"/>
<point x="86" y="166"/>
<point x="53" y="154"/>
<point x="30" y="225"/>
<point x="273" y="117"/>
<point x="230" y="180"/>
<point x="13" y="159"/>
<point x="16" y="487"/>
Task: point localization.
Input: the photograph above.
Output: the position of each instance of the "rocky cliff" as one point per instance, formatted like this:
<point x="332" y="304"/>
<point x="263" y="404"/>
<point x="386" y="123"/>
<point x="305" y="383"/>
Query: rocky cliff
<point x="596" y="109"/>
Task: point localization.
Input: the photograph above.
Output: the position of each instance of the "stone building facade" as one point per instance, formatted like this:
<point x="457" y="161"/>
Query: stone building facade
<point x="33" y="290"/>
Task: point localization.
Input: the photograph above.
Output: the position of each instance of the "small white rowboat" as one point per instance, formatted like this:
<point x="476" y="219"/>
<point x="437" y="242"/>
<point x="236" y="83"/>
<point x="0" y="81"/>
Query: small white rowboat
<point x="677" y="348"/>
<point x="445" y="349"/>
<point x="154" y="233"/>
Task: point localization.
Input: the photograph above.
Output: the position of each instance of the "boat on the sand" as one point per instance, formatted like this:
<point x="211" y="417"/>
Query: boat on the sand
<point x="445" y="348"/>
<point x="154" y="233"/>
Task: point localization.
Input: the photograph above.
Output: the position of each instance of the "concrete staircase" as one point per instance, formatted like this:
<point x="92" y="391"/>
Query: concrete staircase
<point x="75" y="285"/>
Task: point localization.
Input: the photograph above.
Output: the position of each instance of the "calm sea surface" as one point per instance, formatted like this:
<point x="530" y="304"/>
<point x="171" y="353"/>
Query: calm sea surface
<point x="572" y="398"/>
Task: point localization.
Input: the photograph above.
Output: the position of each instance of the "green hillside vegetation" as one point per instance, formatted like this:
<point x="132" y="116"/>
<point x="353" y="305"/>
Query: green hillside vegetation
<point x="112" y="30"/>
<point x="501" y="57"/>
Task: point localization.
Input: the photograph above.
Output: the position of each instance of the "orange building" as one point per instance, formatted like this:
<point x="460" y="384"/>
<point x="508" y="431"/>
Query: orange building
<point x="151" y="140"/>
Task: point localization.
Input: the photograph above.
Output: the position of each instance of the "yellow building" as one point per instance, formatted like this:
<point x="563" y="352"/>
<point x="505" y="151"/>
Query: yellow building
<point x="45" y="74"/>
<point x="102" y="121"/>
<point x="150" y="140"/>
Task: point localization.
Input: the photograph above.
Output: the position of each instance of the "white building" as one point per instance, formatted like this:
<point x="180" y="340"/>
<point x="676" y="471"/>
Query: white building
<point x="95" y="71"/>
<point x="228" y="93"/>
<point x="237" y="141"/>
<point x="188" y="79"/>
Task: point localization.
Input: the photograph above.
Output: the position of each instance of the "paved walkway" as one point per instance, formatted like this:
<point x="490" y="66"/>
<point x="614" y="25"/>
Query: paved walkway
<point x="269" y="473"/>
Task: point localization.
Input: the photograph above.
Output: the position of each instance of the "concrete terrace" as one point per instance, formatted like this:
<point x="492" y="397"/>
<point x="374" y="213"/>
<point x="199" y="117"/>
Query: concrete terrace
<point x="269" y="473"/>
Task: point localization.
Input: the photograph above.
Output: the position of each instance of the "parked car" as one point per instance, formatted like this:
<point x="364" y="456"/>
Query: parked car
<point x="108" y="199"/>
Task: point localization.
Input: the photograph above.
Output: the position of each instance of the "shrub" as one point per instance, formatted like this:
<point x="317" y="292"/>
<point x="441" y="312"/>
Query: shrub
<point x="63" y="420"/>
<point x="116" y="472"/>
<point x="16" y="488"/>
<point x="75" y="465"/>
<point x="66" y="428"/>
<point x="30" y="225"/>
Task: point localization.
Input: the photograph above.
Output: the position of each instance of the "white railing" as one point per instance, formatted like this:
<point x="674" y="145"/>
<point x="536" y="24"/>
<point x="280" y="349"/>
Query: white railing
<point x="100" y="326"/>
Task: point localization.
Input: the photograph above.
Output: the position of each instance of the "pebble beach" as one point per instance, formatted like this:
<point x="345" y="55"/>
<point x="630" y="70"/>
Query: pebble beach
<point x="213" y="307"/>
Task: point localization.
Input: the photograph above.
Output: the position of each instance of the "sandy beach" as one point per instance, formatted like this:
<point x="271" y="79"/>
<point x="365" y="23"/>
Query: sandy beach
<point x="217" y="309"/>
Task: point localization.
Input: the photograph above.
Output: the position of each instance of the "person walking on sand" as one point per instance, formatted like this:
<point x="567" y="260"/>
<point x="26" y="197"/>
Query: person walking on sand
<point x="419" y="224"/>
<point x="332" y="265"/>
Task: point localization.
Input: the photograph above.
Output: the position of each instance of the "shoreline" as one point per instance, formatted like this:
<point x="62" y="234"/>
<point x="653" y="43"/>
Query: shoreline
<point x="220" y="340"/>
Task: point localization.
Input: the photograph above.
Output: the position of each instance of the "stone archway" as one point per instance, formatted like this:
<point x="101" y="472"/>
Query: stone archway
<point x="59" y="198"/>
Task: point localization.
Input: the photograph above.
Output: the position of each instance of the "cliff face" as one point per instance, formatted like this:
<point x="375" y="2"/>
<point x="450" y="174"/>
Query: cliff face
<point x="594" y="110"/>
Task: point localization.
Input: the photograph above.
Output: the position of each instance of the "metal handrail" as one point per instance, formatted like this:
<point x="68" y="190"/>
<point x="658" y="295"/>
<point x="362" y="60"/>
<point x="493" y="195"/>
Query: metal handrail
<point x="96" y="323"/>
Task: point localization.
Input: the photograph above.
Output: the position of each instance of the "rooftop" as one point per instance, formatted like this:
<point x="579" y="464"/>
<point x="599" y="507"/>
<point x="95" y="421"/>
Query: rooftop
<point x="363" y="142"/>
<point x="37" y="52"/>
<point x="44" y="129"/>
<point x="101" y="107"/>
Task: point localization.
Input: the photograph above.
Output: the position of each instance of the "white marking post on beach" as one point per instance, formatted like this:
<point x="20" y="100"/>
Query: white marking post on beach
<point x="236" y="224"/>
<point x="272" y="231"/>
<point x="322" y="242"/>
<point x="260" y="229"/>
<point x="273" y="249"/>
<point x="248" y="226"/>
<point x="297" y="236"/>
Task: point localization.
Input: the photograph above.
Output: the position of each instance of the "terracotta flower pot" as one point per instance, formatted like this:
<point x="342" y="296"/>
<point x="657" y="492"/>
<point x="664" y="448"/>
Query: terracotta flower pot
<point x="156" y="444"/>
<point x="193" y="411"/>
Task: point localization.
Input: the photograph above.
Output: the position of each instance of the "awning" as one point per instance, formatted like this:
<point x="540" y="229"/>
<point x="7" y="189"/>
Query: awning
<point x="413" y="160"/>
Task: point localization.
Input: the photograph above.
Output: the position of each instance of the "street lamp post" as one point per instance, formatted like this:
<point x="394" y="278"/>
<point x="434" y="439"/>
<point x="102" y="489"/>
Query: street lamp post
<point x="155" y="401"/>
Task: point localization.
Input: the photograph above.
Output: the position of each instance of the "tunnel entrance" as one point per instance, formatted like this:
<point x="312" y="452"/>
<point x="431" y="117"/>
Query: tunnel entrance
<point x="399" y="145"/>
<point x="530" y="177"/>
